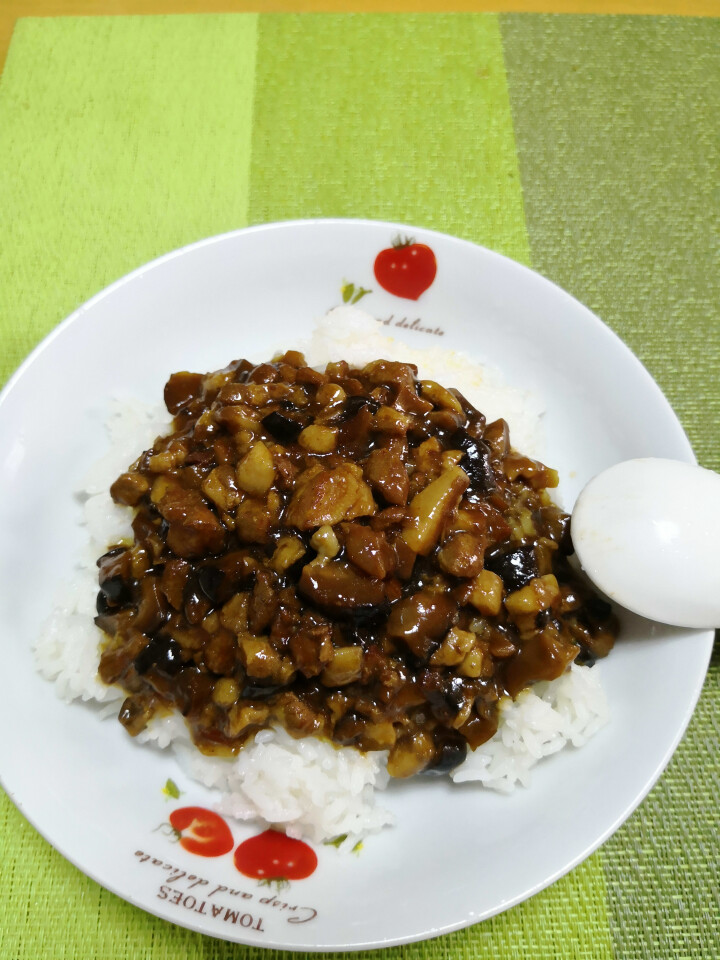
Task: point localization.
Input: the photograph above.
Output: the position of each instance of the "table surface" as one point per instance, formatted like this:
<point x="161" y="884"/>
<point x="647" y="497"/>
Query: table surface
<point x="583" y="145"/>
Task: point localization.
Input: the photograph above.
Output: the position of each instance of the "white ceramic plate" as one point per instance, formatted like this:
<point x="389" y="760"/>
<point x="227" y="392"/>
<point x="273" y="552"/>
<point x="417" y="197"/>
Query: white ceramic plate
<point x="459" y="853"/>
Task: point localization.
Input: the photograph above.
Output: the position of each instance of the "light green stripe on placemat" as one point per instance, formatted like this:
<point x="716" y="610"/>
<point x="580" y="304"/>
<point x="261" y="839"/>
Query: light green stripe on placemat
<point x="382" y="117"/>
<point x="617" y="124"/>
<point x="120" y="139"/>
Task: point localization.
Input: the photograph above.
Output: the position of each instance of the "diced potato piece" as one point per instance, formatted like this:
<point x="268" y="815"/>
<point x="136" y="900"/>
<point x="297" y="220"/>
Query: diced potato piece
<point x="325" y="542"/>
<point x="472" y="665"/>
<point x="293" y="358"/>
<point x="431" y="507"/>
<point x="226" y="692"/>
<point x="289" y="549"/>
<point x="220" y="654"/>
<point x="487" y="593"/>
<point x="411" y="754"/>
<point x="330" y="393"/>
<point x="451" y="457"/>
<point x="256" y="471"/>
<point x="256" y="394"/>
<point x="338" y="369"/>
<point x="318" y="439"/>
<point x="167" y="460"/>
<point x="244" y="440"/>
<point x="310" y="376"/>
<point x="429" y="456"/>
<point x="220" y="487"/>
<point x="379" y="736"/>
<point x="298" y="397"/>
<point x="536" y="473"/>
<point x="392" y="421"/>
<point x="453" y="649"/>
<point x="439" y="396"/>
<point x="205" y="426"/>
<point x="215" y="381"/>
<point x="274" y="505"/>
<point x="160" y="487"/>
<point x="243" y="716"/>
<point x="234" y="615"/>
<point x="278" y="391"/>
<point x="344" y="668"/>
<point x="538" y="595"/>
<point x="261" y="659"/>
<point x="238" y="419"/>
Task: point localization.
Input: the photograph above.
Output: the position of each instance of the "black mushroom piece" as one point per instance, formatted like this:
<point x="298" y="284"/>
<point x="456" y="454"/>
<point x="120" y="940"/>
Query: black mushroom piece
<point x="450" y="751"/>
<point x="115" y="593"/>
<point x="163" y="653"/>
<point x="283" y="428"/>
<point x="476" y="461"/>
<point x="353" y="406"/>
<point x="516" y="565"/>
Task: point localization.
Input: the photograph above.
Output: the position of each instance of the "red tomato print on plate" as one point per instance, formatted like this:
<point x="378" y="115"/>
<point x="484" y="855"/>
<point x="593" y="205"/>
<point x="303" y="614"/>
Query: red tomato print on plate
<point x="406" y="269"/>
<point x="273" y="857"/>
<point x="201" y="831"/>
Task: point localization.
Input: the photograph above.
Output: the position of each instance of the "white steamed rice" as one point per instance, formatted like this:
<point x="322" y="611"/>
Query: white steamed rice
<point x="310" y="787"/>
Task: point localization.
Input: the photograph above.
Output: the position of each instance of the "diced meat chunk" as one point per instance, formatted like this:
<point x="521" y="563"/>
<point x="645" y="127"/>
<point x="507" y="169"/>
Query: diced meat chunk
<point x="329" y="496"/>
<point x="193" y="529"/>
<point x="339" y="585"/>
<point x="387" y="475"/>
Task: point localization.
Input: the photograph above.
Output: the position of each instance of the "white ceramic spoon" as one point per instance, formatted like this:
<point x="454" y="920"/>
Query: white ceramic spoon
<point x="647" y="533"/>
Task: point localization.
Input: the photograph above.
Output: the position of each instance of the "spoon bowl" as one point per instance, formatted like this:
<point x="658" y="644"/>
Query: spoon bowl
<point x="647" y="533"/>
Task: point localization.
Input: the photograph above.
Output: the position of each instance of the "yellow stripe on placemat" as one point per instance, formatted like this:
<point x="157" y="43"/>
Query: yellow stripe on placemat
<point x="12" y="10"/>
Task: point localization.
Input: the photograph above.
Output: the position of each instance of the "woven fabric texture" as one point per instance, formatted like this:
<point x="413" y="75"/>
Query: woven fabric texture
<point x="586" y="146"/>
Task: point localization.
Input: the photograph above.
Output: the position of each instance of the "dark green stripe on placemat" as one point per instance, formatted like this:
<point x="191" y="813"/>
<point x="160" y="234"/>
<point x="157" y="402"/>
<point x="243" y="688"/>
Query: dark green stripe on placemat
<point x="617" y="121"/>
<point x="617" y="124"/>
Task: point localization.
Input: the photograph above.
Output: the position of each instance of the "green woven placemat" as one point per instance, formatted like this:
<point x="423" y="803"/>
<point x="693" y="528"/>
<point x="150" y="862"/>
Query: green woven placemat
<point x="587" y="146"/>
